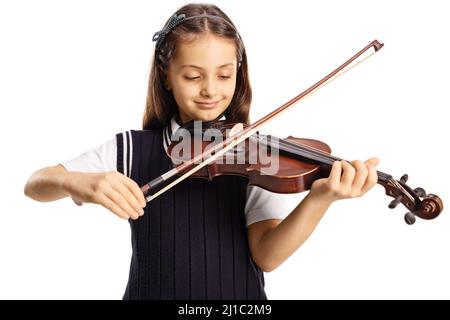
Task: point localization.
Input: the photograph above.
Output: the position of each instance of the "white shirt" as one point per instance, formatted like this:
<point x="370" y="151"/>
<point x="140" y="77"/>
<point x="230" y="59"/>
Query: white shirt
<point x="260" y="204"/>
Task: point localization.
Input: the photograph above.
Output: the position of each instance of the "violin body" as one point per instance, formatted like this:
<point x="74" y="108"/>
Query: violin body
<point x="293" y="174"/>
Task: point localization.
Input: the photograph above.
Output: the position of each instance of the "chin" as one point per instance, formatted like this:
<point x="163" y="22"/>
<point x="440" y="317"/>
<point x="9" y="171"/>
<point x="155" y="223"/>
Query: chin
<point x="207" y="116"/>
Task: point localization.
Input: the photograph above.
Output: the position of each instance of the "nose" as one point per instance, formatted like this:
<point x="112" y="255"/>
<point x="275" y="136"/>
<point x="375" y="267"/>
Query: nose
<point x="208" y="88"/>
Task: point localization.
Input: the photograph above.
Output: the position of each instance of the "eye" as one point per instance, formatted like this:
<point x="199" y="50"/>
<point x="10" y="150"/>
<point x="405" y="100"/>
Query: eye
<point x="191" y="78"/>
<point x="224" y="77"/>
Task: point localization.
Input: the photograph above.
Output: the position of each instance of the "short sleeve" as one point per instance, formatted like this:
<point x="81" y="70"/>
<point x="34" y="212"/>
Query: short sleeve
<point x="102" y="158"/>
<point x="263" y="205"/>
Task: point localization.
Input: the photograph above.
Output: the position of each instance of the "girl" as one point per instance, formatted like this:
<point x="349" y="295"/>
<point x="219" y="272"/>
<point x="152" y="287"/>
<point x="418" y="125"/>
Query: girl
<point x="201" y="239"/>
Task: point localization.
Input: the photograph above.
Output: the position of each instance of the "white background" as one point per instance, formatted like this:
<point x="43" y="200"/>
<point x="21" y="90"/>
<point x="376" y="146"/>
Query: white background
<point x="74" y="73"/>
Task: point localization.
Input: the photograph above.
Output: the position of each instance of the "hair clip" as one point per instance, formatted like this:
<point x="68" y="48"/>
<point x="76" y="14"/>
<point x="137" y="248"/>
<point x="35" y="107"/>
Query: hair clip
<point x="173" y="22"/>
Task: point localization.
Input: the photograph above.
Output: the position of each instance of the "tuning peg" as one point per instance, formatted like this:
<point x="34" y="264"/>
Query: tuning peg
<point x="420" y="192"/>
<point x="410" y="218"/>
<point x="395" y="202"/>
<point x="404" y="178"/>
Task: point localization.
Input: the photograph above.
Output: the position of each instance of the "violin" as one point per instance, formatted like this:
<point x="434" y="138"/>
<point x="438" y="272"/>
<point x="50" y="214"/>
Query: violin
<point x="227" y="148"/>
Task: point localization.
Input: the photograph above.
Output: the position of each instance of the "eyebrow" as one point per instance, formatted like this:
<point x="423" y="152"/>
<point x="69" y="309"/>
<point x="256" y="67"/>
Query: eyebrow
<point x="197" y="67"/>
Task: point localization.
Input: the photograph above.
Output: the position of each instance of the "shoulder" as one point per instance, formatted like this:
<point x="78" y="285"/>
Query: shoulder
<point x="115" y="154"/>
<point x="131" y="144"/>
<point x="100" y="158"/>
<point x="127" y="136"/>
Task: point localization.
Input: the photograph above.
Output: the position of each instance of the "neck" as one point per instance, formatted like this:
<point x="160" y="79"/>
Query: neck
<point x="308" y="153"/>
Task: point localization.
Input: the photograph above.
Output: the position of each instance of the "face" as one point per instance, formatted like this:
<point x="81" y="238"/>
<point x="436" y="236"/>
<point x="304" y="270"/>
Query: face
<point x="202" y="77"/>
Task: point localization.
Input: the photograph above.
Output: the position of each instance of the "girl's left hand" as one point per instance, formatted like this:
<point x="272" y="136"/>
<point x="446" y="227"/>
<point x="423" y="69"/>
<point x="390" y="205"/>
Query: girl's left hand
<point x="346" y="180"/>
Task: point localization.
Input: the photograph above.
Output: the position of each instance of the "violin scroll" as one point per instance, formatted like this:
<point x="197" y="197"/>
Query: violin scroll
<point x="417" y="201"/>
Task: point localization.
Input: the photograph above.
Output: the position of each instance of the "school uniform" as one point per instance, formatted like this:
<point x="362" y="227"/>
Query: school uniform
<point x="191" y="242"/>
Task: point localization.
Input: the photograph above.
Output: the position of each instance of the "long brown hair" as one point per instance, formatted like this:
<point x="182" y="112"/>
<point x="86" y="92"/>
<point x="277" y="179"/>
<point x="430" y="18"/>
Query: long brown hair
<point x="161" y="105"/>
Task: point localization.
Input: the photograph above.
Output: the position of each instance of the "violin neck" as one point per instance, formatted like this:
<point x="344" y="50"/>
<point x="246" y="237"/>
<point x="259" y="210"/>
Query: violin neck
<point x="314" y="155"/>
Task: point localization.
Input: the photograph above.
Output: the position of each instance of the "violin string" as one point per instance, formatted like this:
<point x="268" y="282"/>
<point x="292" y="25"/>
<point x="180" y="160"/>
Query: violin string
<point x="319" y="155"/>
<point x="314" y="154"/>
<point x="284" y="145"/>
<point x="327" y="158"/>
<point x="411" y="197"/>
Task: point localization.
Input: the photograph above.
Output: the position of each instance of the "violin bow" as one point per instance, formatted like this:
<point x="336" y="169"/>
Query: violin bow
<point x="188" y="168"/>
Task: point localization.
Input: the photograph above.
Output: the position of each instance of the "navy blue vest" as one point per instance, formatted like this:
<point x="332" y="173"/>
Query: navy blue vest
<point x="191" y="243"/>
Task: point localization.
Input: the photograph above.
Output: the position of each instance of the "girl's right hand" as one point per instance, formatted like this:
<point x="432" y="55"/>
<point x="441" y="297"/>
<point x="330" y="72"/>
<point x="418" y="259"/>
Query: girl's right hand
<point x="114" y="191"/>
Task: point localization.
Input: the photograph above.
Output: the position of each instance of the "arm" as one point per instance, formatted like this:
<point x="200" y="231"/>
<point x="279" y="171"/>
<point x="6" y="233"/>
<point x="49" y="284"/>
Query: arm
<point x="273" y="241"/>
<point x="47" y="184"/>
<point x="112" y="190"/>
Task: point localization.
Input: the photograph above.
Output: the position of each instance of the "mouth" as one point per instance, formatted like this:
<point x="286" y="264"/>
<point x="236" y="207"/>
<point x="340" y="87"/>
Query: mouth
<point x="207" y="104"/>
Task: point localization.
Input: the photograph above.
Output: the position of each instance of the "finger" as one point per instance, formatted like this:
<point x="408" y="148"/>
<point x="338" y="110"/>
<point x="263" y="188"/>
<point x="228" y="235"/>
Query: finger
<point x="372" y="161"/>
<point x="120" y="201"/>
<point x="135" y="190"/>
<point x="111" y="206"/>
<point x="348" y="173"/>
<point x="129" y="197"/>
<point x="361" y="173"/>
<point x="372" y="178"/>
<point x="335" y="173"/>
